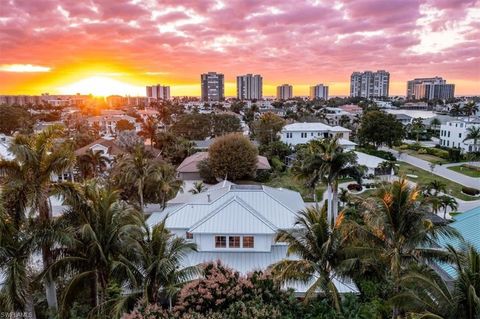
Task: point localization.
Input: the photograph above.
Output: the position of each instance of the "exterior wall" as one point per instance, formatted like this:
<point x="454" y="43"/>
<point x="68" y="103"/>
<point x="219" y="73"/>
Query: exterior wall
<point x="298" y="137"/>
<point x="189" y="176"/>
<point x="370" y="84"/>
<point x="212" y="87"/>
<point x="206" y="242"/>
<point x="284" y="92"/>
<point x="453" y="133"/>
<point x="249" y="87"/>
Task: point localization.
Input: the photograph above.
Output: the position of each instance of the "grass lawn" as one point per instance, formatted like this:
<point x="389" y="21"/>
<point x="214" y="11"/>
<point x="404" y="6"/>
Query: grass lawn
<point x="289" y="181"/>
<point x="425" y="157"/>
<point x="465" y="170"/>
<point x="425" y="177"/>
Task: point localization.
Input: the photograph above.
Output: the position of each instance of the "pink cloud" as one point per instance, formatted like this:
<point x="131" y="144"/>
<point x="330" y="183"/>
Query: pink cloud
<point x="286" y="41"/>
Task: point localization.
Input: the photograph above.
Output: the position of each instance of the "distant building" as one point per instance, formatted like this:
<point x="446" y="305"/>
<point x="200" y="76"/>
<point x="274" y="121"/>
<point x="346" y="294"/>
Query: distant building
<point x="158" y="92"/>
<point x="284" y="92"/>
<point x="302" y="133"/>
<point x="250" y="87"/>
<point x="453" y="134"/>
<point x="45" y="98"/>
<point x="212" y="85"/>
<point x="430" y="89"/>
<point x="319" y="91"/>
<point x="370" y="84"/>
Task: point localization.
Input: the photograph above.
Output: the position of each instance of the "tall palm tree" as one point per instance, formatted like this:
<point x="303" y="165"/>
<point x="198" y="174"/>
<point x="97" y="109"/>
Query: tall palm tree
<point x="324" y="160"/>
<point x="92" y="162"/>
<point x="417" y="127"/>
<point x="318" y="247"/>
<point x="161" y="259"/>
<point x="148" y="177"/>
<point x="473" y="133"/>
<point x="149" y="129"/>
<point x="436" y="186"/>
<point x="15" y="252"/>
<point x="435" y="124"/>
<point x="456" y="110"/>
<point x="470" y="108"/>
<point x="448" y="202"/>
<point x="104" y="235"/>
<point x="37" y="160"/>
<point x="394" y="230"/>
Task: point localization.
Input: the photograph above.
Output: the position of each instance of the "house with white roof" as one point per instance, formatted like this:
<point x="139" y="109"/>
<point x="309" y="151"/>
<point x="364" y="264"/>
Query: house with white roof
<point x="108" y="123"/>
<point x="236" y="224"/>
<point x="302" y="133"/>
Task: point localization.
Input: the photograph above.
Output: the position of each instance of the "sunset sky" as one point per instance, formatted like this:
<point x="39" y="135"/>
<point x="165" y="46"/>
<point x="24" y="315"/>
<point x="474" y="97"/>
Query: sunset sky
<point x="119" y="46"/>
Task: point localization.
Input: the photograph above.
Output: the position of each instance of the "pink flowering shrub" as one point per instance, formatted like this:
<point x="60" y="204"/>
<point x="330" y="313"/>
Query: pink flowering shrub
<point x="224" y="293"/>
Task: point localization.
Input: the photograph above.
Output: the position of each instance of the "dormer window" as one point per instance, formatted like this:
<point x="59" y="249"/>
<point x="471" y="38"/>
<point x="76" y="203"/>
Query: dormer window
<point x="234" y="241"/>
<point x="248" y="242"/>
<point x="220" y="242"/>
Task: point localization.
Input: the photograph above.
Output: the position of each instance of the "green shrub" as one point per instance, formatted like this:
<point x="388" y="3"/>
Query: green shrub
<point x="438" y="152"/>
<point x="422" y="151"/>
<point x="404" y="147"/>
<point x="414" y="146"/>
<point x="470" y="191"/>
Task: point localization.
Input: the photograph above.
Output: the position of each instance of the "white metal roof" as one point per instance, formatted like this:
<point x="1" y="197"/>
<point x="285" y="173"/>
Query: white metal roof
<point x="369" y="161"/>
<point x="317" y="126"/>
<point x="274" y="207"/>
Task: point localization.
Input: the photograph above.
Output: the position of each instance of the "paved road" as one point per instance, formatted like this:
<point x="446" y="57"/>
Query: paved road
<point x="439" y="170"/>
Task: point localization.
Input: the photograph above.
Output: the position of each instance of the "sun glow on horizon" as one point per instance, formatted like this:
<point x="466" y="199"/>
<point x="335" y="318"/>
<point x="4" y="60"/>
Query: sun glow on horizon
<point x="102" y="86"/>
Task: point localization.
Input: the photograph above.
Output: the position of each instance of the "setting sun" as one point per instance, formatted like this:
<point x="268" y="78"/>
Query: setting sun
<point x="101" y="86"/>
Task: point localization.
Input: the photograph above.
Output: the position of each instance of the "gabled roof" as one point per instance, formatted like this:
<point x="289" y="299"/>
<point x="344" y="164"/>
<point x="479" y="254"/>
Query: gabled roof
<point x="113" y="149"/>
<point x="273" y="207"/>
<point x="235" y="216"/>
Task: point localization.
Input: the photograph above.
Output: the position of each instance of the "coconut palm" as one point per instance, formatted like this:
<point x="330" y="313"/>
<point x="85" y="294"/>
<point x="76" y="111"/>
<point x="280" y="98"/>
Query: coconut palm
<point x="324" y="160"/>
<point x="473" y="134"/>
<point x="135" y="169"/>
<point x="149" y="129"/>
<point x="470" y="108"/>
<point x="104" y="234"/>
<point x="435" y="124"/>
<point x="417" y="127"/>
<point x="92" y="162"/>
<point x="448" y="202"/>
<point x="456" y="110"/>
<point x="29" y="176"/>
<point x="15" y="251"/>
<point x="436" y="186"/>
<point x="318" y="248"/>
<point x="161" y="259"/>
<point x="395" y="231"/>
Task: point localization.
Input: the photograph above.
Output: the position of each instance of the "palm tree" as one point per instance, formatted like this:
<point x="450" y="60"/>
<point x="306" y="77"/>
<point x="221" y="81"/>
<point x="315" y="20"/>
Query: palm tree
<point x="473" y="133"/>
<point x="395" y="231"/>
<point x="148" y="177"/>
<point x="470" y="108"/>
<point x="30" y="174"/>
<point x="417" y="127"/>
<point x="149" y="129"/>
<point x="456" y="110"/>
<point x="436" y="186"/>
<point x="318" y="248"/>
<point x="429" y="296"/>
<point x="161" y="258"/>
<point x="324" y="160"/>
<point x="104" y="236"/>
<point x="448" y="202"/>
<point x="94" y="162"/>
<point x="15" y="252"/>
<point x="197" y="188"/>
